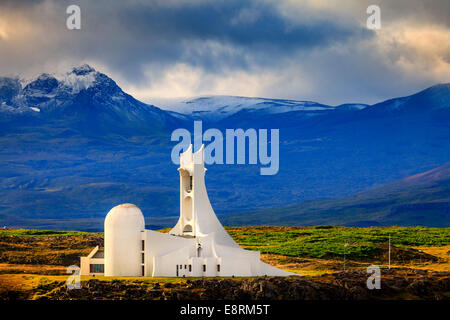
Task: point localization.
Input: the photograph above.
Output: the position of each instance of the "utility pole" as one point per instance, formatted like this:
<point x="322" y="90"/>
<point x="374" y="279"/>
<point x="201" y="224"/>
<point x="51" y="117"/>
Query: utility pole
<point x="345" y="245"/>
<point x="389" y="251"/>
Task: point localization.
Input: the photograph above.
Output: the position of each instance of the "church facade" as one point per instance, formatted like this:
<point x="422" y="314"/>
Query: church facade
<point x="197" y="246"/>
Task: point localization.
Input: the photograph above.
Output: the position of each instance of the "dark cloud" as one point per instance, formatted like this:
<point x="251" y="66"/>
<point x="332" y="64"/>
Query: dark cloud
<point x="227" y="22"/>
<point x="20" y="3"/>
<point x="138" y="42"/>
<point x="214" y="35"/>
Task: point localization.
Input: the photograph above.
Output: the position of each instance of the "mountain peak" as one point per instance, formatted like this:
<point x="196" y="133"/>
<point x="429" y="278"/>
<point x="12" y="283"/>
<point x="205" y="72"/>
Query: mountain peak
<point x="45" y="76"/>
<point x="45" y="83"/>
<point x="438" y="89"/>
<point x="83" y="70"/>
<point x="436" y="97"/>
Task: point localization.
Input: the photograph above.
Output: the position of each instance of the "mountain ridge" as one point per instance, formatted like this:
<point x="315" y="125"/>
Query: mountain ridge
<point x="84" y="94"/>
<point x="218" y="107"/>
<point x="92" y="146"/>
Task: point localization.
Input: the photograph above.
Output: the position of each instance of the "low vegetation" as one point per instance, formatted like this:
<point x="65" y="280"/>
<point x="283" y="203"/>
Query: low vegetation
<point x="33" y="265"/>
<point x="40" y="233"/>
<point x="332" y="242"/>
<point x="21" y="246"/>
<point x="35" y="248"/>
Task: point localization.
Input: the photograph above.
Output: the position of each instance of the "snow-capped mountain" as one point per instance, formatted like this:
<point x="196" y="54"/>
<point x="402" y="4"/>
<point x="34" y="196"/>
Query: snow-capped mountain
<point x="217" y="108"/>
<point x="76" y="143"/>
<point x="89" y="101"/>
<point x="45" y="91"/>
<point x="84" y="97"/>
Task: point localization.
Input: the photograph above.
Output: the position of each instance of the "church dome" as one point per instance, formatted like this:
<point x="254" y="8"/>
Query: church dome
<point x="125" y="216"/>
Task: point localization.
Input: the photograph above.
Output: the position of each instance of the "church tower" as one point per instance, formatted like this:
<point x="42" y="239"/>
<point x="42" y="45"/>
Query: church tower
<point x="197" y="217"/>
<point x="191" y="169"/>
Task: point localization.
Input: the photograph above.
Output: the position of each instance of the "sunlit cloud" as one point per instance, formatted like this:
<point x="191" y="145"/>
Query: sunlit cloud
<point x="3" y="30"/>
<point x="300" y="49"/>
<point x="418" y="50"/>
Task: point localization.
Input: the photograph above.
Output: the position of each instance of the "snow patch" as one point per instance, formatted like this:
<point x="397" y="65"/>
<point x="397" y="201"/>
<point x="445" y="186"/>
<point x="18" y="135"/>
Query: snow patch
<point x="220" y="107"/>
<point x="78" y="82"/>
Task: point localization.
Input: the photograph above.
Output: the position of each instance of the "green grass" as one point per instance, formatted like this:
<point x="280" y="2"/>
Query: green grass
<point x="40" y="233"/>
<point x="313" y="242"/>
<point x="329" y="242"/>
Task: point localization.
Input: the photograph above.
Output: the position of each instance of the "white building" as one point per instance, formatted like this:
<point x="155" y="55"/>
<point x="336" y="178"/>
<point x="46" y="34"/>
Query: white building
<point x="197" y="246"/>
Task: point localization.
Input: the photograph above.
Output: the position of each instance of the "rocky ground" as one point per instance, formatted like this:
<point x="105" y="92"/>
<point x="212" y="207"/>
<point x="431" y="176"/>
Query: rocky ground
<point x="351" y="285"/>
<point x="54" y="250"/>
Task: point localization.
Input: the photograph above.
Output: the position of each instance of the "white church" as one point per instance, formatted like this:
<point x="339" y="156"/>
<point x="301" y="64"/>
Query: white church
<point x="198" y="245"/>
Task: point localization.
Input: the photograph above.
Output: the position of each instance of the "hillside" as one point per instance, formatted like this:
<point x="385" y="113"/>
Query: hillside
<point x="421" y="199"/>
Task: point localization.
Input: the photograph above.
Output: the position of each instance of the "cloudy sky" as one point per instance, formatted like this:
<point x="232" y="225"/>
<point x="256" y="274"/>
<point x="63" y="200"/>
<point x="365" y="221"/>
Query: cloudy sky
<point x="300" y="49"/>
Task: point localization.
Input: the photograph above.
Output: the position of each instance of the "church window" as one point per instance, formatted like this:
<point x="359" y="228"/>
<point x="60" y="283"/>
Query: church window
<point x="204" y="268"/>
<point x="96" y="268"/>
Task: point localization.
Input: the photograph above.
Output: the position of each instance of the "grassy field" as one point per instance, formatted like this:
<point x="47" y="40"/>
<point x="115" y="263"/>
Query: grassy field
<point x="331" y="242"/>
<point x="41" y="233"/>
<point x="307" y="250"/>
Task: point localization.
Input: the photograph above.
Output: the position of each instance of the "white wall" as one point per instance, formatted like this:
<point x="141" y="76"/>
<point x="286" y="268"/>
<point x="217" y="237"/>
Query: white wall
<point x="123" y="226"/>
